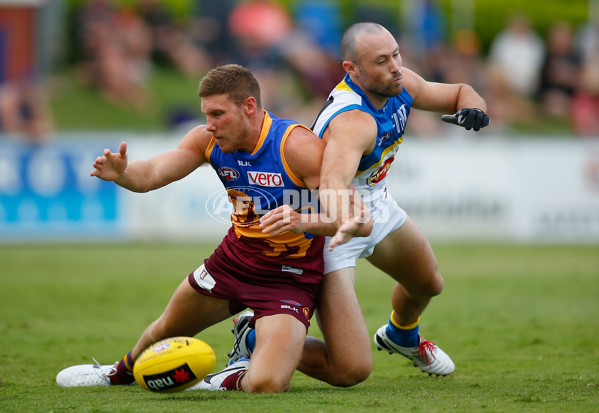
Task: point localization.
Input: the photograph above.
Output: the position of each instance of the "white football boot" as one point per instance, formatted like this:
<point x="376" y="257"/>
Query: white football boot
<point x="427" y="355"/>
<point x="214" y="381"/>
<point x="240" y="331"/>
<point x="85" y="375"/>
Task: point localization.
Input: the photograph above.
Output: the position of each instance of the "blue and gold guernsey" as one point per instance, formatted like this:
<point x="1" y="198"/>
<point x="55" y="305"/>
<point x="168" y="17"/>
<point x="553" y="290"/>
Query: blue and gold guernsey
<point x="258" y="182"/>
<point x="370" y="179"/>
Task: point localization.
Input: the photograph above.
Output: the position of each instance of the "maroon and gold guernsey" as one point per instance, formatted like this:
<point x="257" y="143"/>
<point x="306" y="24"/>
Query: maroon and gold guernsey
<point x="256" y="183"/>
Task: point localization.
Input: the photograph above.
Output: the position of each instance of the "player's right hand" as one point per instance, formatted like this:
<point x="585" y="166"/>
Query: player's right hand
<point x="469" y="118"/>
<point x="110" y="166"/>
<point x="280" y="220"/>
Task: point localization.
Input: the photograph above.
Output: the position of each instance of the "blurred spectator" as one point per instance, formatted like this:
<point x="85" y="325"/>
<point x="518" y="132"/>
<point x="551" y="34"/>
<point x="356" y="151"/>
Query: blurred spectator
<point x="513" y="67"/>
<point x="464" y="63"/>
<point x="116" y="47"/>
<point x="259" y="27"/>
<point x="424" y="29"/>
<point x="24" y="106"/>
<point x="560" y="72"/>
<point x="283" y="57"/>
<point x="517" y="54"/>
<point x="587" y="38"/>
<point x="171" y="42"/>
<point x="312" y="47"/>
<point x="296" y="50"/>
<point x="321" y="20"/>
<point x="160" y="25"/>
<point x="24" y="110"/>
<point x="428" y="38"/>
<point x="209" y="29"/>
<point x="585" y="103"/>
<point x="506" y="108"/>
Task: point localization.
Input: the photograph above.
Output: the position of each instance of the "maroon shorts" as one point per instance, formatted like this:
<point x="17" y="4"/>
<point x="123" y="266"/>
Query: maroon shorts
<point x="264" y="285"/>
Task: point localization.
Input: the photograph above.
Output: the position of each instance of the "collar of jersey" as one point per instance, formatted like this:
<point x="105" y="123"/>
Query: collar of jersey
<point x="266" y="123"/>
<point x="360" y="92"/>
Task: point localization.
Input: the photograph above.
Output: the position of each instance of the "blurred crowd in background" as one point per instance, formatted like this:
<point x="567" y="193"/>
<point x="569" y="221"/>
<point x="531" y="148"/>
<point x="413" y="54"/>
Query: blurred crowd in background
<point x="527" y="78"/>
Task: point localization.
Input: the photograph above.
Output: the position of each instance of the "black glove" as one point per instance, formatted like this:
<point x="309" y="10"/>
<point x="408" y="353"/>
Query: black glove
<point x="469" y="118"/>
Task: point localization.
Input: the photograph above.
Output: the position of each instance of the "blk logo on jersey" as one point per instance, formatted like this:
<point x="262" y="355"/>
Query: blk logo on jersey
<point x="170" y="379"/>
<point x="268" y="179"/>
<point x="227" y="173"/>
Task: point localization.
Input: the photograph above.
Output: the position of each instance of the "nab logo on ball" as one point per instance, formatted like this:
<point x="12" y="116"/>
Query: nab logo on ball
<point x="173" y="364"/>
<point x="169" y="380"/>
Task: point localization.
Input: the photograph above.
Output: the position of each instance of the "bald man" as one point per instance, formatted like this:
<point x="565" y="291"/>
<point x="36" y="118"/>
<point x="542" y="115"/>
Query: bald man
<point x="363" y="123"/>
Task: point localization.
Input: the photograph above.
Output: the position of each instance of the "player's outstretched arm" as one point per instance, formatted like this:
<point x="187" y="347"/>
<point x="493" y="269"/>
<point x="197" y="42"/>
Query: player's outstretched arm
<point x="135" y="175"/>
<point x="462" y="105"/>
<point x="158" y="171"/>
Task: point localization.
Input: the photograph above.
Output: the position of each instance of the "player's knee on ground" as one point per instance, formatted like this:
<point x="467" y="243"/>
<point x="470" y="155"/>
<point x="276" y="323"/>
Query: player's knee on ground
<point x="265" y="384"/>
<point x="351" y="374"/>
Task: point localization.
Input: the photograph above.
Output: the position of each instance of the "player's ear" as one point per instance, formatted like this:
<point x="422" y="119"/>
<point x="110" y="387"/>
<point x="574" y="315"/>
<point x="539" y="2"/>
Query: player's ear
<point x="250" y="106"/>
<point x="349" y="66"/>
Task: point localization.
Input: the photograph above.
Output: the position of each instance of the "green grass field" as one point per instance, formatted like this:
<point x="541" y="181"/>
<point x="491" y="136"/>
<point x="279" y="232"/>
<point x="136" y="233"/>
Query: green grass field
<point x="520" y="322"/>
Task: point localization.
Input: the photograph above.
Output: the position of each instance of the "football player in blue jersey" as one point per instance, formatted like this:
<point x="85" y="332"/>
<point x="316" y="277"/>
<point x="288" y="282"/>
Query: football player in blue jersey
<point x="362" y="124"/>
<point x="262" y="161"/>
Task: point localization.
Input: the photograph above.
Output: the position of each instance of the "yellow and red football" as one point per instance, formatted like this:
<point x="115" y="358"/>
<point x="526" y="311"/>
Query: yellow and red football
<point x="173" y="364"/>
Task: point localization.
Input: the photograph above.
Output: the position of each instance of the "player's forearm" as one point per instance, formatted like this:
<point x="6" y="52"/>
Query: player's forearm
<point x="319" y="224"/>
<point x="136" y="177"/>
<point x="339" y="201"/>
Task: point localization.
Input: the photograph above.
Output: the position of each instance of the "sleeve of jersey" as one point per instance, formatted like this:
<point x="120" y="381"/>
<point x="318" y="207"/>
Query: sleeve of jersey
<point x="323" y="122"/>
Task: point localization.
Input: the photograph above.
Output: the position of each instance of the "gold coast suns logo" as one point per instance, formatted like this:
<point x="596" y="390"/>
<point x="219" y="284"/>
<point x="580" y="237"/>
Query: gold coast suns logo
<point x="379" y="174"/>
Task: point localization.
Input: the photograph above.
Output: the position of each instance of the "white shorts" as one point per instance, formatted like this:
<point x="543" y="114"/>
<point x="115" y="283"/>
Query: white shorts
<point x="387" y="216"/>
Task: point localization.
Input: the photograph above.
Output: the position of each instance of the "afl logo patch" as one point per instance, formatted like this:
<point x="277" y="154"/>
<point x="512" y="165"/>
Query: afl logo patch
<point x="228" y="174"/>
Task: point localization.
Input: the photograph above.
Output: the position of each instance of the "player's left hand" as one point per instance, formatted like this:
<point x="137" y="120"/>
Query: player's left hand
<point x="110" y="166"/>
<point x="469" y="118"/>
<point x="358" y="226"/>
<point x="282" y="219"/>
